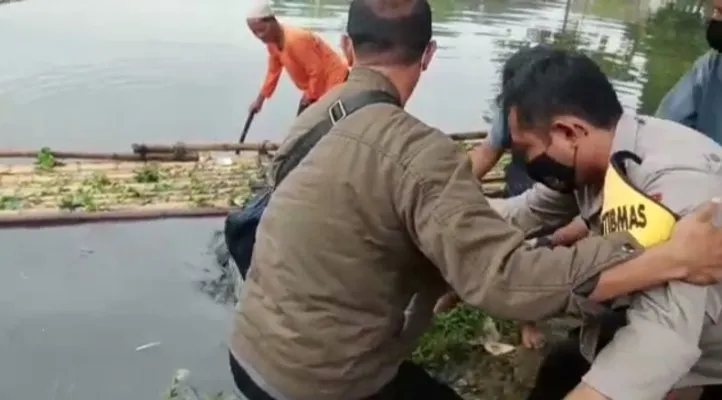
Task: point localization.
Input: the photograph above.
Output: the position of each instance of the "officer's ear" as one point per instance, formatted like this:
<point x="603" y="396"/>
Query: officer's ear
<point x="570" y="127"/>
<point x="428" y="55"/>
<point x="347" y="48"/>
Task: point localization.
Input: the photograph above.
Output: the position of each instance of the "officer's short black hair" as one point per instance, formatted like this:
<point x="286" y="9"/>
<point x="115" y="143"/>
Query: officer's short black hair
<point x="521" y="58"/>
<point x="389" y="31"/>
<point x="561" y="83"/>
<point x="518" y="60"/>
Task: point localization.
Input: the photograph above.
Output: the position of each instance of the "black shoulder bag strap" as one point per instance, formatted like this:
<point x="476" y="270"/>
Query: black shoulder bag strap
<point x="341" y="109"/>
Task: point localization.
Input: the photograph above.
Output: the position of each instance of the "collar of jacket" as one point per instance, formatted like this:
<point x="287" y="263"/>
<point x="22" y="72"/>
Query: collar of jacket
<point x="370" y="79"/>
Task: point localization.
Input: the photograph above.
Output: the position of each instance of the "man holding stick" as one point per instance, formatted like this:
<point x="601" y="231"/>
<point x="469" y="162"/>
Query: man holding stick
<point x="313" y="66"/>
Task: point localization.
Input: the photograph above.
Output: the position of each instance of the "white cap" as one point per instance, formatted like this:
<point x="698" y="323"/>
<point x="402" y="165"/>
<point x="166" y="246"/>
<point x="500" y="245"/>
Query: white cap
<point x="260" y="9"/>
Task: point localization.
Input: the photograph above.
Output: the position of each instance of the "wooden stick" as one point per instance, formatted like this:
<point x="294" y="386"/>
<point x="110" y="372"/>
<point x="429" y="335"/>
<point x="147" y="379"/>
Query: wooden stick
<point x="463" y="136"/>
<point x="60" y="155"/>
<point x="64" y="218"/>
<point x="246" y="128"/>
<point x="141" y="148"/>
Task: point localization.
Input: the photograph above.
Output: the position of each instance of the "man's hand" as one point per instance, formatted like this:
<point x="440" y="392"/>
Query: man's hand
<point x="305" y="102"/>
<point x="696" y="245"/>
<point x="585" y="392"/>
<point x="257" y="104"/>
<point x="446" y="302"/>
<point x="532" y="337"/>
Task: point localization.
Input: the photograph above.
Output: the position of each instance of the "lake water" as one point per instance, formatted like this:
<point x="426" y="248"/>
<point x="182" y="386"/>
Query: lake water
<point x="101" y="74"/>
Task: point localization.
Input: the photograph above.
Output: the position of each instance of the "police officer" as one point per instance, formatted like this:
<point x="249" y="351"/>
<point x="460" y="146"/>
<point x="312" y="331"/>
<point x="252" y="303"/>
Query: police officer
<point x="383" y="209"/>
<point x="623" y="173"/>
<point x="486" y="155"/>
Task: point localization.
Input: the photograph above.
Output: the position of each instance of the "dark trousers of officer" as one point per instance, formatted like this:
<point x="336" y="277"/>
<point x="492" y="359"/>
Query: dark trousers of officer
<point x="563" y="367"/>
<point x="411" y="382"/>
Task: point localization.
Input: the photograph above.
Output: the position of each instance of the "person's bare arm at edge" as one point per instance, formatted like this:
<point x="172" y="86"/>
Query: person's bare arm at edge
<point x="584" y="392"/>
<point x="486" y="262"/>
<point x="483" y="158"/>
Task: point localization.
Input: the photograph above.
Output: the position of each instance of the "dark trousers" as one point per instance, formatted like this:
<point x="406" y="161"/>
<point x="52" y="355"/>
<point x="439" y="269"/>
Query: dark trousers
<point x="563" y="367"/>
<point x="411" y="382"/>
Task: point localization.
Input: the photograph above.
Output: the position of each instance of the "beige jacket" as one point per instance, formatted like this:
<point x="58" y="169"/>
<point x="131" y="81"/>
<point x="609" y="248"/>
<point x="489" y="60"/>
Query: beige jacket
<point x="385" y="207"/>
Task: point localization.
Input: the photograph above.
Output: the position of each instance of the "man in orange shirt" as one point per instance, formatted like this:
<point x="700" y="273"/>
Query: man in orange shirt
<point x="310" y="62"/>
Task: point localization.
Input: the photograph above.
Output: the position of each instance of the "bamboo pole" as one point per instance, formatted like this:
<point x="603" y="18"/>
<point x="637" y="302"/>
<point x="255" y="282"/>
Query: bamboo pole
<point x="185" y="157"/>
<point x="64" y="218"/>
<point x="182" y="148"/>
<point x="463" y="136"/>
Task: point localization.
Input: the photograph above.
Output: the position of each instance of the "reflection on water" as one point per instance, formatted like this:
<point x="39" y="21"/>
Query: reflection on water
<point x="89" y="74"/>
<point x="100" y="74"/>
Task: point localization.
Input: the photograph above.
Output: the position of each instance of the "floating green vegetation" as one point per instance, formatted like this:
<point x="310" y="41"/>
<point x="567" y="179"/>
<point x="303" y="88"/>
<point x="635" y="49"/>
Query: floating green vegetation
<point x="108" y="186"/>
<point x="150" y="173"/>
<point x="181" y="389"/>
<point x="10" y="203"/>
<point x="45" y="160"/>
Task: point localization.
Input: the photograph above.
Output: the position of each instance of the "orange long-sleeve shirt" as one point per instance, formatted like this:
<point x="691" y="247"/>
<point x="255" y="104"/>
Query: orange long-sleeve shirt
<point x="314" y="67"/>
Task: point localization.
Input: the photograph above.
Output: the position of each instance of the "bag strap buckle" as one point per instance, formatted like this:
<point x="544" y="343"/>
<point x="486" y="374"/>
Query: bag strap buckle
<point x="337" y="112"/>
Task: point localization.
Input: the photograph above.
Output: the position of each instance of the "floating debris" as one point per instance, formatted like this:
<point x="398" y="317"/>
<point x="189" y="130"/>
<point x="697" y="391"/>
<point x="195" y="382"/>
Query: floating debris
<point x="181" y="389"/>
<point x="147" y="346"/>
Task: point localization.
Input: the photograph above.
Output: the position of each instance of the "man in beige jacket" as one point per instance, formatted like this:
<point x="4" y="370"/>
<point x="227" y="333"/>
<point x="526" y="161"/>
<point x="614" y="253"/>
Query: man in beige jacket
<point x="383" y="209"/>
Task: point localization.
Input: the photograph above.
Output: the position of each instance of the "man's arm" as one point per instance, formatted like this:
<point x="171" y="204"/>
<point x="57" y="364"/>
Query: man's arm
<point x="483" y="158"/>
<point x="273" y="74"/>
<point x="570" y="233"/>
<point x="537" y="209"/>
<point x="680" y="103"/>
<point x="486" y="261"/>
<point x="665" y="323"/>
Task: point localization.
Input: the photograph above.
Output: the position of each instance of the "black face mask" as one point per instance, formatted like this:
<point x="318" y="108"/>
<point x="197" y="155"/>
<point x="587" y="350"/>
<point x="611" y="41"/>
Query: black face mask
<point x="714" y="34"/>
<point x="552" y="174"/>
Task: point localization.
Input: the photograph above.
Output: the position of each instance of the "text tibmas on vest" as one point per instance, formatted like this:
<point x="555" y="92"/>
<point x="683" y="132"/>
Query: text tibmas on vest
<point x="623" y="218"/>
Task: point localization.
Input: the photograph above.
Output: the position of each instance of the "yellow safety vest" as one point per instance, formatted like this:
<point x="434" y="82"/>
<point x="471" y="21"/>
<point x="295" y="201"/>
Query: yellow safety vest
<point x="626" y="208"/>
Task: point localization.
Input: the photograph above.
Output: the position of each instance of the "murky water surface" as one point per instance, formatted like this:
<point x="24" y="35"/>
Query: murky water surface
<point x="100" y="74"/>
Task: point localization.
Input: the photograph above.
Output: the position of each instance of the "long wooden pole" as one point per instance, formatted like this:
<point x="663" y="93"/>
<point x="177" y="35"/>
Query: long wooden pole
<point x="159" y="156"/>
<point x="142" y="148"/>
<point x="63" y="218"/>
<point x="180" y="151"/>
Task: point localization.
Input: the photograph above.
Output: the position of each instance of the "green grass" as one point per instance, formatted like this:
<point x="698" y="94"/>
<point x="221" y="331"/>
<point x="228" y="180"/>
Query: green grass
<point x="451" y="339"/>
